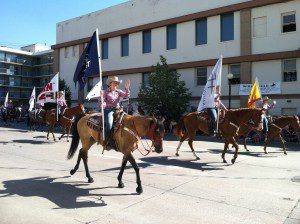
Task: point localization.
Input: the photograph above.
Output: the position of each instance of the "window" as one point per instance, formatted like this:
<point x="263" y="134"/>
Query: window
<point x="201" y="76"/>
<point x="171" y="37"/>
<point x="227" y="27"/>
<point x="289" y="70"/>
<point x="260" y="27"/>
<point x="236" y="71"/>
<point x="201" y="31"/>
<point x="146" y="41"/>
<point x="104" y="49"/>
<point x="74" y="51"/>
<point x="288" y="22"/>
<point x="66" y="52"/>
<point x="90" y="84"/>
<point x="145" y="79"/>
<point x="104" y="79"/>
<point x="125" y="45"/>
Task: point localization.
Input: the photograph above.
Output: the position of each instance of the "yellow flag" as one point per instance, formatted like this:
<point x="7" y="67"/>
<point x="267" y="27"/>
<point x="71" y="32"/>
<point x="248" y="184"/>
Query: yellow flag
<point x="254" y="95"/>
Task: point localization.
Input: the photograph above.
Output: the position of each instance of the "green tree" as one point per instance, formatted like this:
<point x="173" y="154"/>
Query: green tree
<point x="166" y="95"/>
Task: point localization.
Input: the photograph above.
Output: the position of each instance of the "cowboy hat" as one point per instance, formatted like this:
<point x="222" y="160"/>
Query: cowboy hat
<point x="113" y="79"/>
<point x="266" y="98"/>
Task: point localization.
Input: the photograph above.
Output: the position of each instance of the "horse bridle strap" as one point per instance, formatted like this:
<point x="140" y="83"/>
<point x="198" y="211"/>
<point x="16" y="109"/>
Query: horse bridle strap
<point x="151" y="133"/>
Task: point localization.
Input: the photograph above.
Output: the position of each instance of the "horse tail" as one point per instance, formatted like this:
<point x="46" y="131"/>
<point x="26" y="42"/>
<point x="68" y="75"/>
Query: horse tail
<point x="75" y="138"/>
<point x="180" y="126"/>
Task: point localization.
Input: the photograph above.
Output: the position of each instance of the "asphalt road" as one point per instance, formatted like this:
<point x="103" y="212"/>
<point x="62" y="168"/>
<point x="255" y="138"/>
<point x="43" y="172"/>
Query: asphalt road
<point x="36" y="187"/>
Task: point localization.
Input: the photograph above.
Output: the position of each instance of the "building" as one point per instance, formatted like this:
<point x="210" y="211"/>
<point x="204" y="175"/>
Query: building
<point x="258" y="38"/>
<point x="21" y="70"/>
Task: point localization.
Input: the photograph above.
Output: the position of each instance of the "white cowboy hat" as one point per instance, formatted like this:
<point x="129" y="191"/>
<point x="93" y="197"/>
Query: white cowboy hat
<point x="113" y="79"/>
<point x="266" y="98"/>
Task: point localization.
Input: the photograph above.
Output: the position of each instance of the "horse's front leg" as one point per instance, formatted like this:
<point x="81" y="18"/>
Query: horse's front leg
<point x="236" y="151"/>
<point x="124" y="162"/>
<point x="132" y="161"/>
<point x="69" y="130"/>
<point x="226" y="146"/>
<point x="63" y="131"/>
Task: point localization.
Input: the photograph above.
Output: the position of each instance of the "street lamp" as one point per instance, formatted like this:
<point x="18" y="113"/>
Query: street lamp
<point x="229" y="77"/>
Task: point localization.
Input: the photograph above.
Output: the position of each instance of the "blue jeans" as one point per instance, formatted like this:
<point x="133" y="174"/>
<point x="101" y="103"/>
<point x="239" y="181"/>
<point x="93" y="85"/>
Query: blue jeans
<point x="108" y="120"/>
<point x="265" y="125"/>
<point x="212" y="112"/>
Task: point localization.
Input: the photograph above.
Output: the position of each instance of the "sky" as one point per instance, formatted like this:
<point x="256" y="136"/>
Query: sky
<point x="25" y="22"/>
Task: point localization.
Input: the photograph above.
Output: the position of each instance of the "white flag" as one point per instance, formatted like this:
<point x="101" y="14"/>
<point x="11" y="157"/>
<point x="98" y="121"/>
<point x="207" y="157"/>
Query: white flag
<point x="48" y="93"/>
<point x="95" y="92"/>
<point x="31" y="100"/>
<point x="208" y="95"/>
<point x="6" y="100"/>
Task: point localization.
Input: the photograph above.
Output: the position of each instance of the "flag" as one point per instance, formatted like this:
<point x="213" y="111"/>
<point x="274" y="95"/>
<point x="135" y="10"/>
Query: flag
<point x="52" y="86"/>
<point x="6" y="100"/>
<point x="95" y="92"/>
<point x="254" y="94"/>
<point x="208" y="95"/>
<point x="31" y="100"/>
<point x="48" y="93"/>
<point x="88" y="63"/>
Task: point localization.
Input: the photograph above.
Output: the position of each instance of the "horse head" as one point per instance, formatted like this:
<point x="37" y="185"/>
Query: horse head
<point x="156" y="133"/>
<point x="295" y="123"/>
<point x="255" y="119"/>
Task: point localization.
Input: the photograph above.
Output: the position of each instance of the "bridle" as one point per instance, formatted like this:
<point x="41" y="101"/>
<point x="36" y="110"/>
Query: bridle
<point x="151" y="133"/>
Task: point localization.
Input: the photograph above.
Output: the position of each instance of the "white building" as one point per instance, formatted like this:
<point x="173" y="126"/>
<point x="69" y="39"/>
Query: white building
<point x="259" y="38"/>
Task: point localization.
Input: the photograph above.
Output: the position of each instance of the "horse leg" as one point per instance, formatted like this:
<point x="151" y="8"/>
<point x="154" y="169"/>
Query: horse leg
<point x="73" y="171"/>
<point x="69" y="130"/>
<point x="236" y="151"/>
<point x="63" y="132"/>
<point x="282" y="143"/>
<point x="124" y="162"/>
<point x="245" y="144"/>
<point x="226" y="146"/>
<point x="132" y="161"/>
<point x="52" y="127"/>
<point x="191" y="139"/>
<point x="85" y="162"/>
<point x="48" y="133"/>
<point x="184" y="137"/>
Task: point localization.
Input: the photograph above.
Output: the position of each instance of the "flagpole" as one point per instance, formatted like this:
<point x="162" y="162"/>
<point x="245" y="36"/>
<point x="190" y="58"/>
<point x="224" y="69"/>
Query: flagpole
<point x="101" y="86"/>
<point x="34" y="107"/>
<point x="220" y="77"/>
<point x="57" y="96"/>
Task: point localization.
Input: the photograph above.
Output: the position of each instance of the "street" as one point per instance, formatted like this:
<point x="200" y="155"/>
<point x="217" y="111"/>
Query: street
<point x="36" y="186"/>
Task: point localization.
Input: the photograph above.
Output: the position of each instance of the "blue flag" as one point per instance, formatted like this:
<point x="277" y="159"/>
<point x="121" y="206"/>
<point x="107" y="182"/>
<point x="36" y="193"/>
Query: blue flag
<point x="88" y="64"/>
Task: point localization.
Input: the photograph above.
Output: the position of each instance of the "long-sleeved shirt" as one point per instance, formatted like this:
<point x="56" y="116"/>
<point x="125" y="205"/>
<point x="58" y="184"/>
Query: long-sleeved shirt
<point x="112" y="98"/>
<point x="217" y="100"/>
<point x="61" y="102"/>
<point x="266" y="107"/>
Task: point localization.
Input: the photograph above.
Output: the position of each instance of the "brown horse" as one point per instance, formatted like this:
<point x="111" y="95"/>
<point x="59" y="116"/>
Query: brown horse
<point x="65" y="119"/>
<point x="127" y="137"/>
<point x="228" y="128"/>
<point x="36" y="119"/>
<point x="275" y="129"/>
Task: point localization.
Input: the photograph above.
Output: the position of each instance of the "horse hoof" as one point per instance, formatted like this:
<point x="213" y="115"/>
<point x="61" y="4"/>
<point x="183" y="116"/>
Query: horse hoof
<point x="68" y="140"/>
<point x="266" y="152"/>
<point x="176" y="154"/>
<point x="224" y="161"/>
<point x="139" y="190"/>
<point x="285" y="153"/>
<point x="233" y="161"/>
<point x="91" y="180"/>
<point x="72" y="172"/>
<point x="121" y="185"/>
<point x="247" y="150"/>
<point x="59" y="139"/>
<point x="197" y="158"/>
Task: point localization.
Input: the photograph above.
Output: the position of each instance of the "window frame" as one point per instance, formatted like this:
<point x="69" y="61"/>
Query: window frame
<point x="102" y="49"/>
<point x="288" y="14"/>
<point x="122" y="49"/>
<point x="221" y="16"/>
<point x="143" y="79"/>
<point x="253" y="27"/>
<point x="196" y="76"/>
<point x="283" y="69"/>
<point x="168" y="47"/>
<point x="144" y="38"/>
<point x="230" y="71"/>
<point x="196" y="33"/>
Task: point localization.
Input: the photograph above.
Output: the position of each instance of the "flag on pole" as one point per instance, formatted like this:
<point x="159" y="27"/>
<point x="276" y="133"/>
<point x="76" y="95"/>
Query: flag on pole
<point x="214" y="80"/>
<point x="48" y="93"/>
<point x="88" y="63"/>
<point x="6" y="100"/>
<point x="31" y="100"/>
<point x="255" y="94"/>
<point x="95" y="92"/>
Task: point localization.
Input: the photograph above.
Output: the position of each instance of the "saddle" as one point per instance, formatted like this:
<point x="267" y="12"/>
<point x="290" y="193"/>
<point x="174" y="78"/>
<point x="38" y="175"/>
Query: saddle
<point x="205" y="118"/>
<point x="95" y="122"/>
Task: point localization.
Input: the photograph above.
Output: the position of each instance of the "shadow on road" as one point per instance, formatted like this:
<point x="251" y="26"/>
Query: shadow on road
<point x="28" y="141"/>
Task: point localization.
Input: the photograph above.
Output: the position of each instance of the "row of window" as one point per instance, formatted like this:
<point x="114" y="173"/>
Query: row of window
<point x="227" y="33"/>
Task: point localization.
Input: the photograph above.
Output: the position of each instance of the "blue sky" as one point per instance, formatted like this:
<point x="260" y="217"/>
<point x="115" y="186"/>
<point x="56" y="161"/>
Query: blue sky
<point x="25" y="22"/>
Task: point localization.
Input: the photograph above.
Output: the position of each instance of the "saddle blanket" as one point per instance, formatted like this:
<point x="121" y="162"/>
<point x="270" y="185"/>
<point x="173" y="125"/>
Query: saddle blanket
<point x="95" y="122"/>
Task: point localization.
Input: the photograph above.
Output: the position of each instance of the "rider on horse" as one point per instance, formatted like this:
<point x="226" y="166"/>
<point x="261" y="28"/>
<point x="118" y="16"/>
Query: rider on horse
<point x="212" y="112"/>
<point x="61" y="101"/>
<point x="112" y="97"/>
<point x="266" y="107"/>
